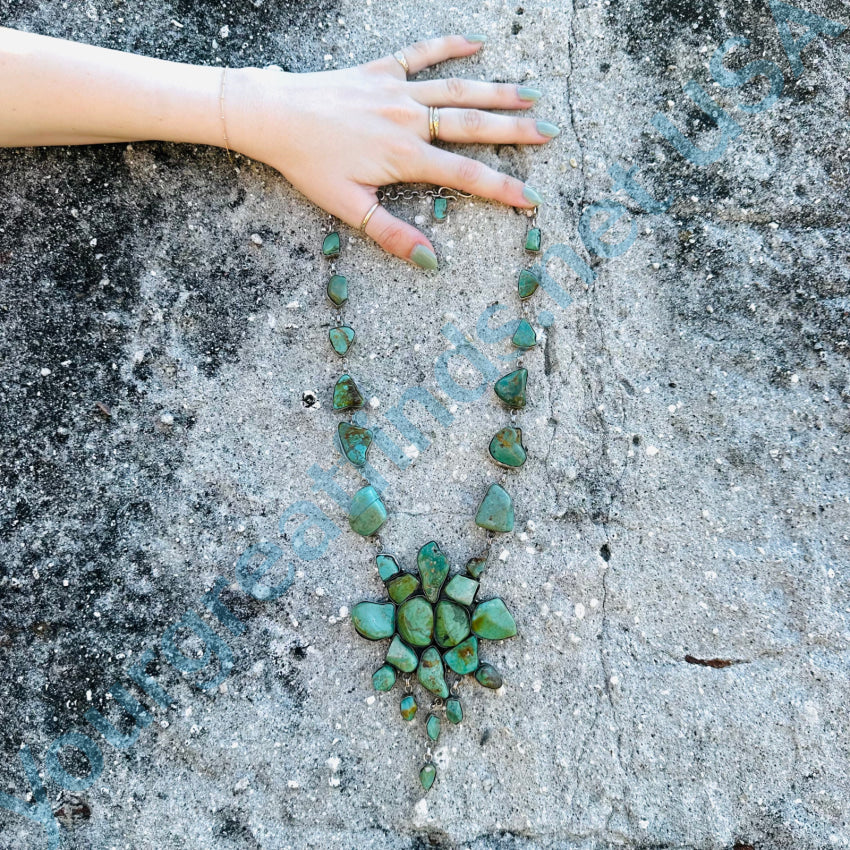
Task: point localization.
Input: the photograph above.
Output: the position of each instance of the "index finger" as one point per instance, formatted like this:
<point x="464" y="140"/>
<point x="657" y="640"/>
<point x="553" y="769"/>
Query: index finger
<point x="423" y="54"/>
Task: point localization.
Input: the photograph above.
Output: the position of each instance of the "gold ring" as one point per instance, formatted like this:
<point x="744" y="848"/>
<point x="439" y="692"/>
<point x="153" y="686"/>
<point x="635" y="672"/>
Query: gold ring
<point x="369" y="215"/>
<point x="434" y="122"/>
<point x="402" y="61"/>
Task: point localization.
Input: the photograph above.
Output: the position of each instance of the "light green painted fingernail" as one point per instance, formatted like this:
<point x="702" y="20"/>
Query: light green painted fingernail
<point x="547" y="129"/>
<point x="476" y="38"/>
<point x="532" y="195"/>
<point x="525" y="93"/>
<point x="424" y="257"/>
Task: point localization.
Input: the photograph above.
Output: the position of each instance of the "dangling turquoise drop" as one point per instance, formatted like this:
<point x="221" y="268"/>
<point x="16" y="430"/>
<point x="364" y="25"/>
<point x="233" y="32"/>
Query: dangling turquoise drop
<point x="511" y="388"/>
<point x="432" y="726"/>
<point x="527" y="283"/>
<point x="532" y="240"/>
<point x="346" y="394"/>
<point x="454" y="711"/>
<point x="338" y="290"/>
<point x="440" y="210"/>
<point x="341" y="339"/>
<point x="367" y="512"/>
<point x="330" y="244"/>
<point x="354" y="442"/>
<point x="408" y="707"/>
<point x="427" y="776"/>
<point x="497" y="510"/>
<point x="524" y="337"/>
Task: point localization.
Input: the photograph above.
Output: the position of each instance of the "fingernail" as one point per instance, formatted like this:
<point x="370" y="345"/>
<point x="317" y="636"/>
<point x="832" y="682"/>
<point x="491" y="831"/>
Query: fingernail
<point x="547" y="129"/>
<point x="424" y="257"/>
<point x="476" y="38"/>
<point x="532" y="195"/>
<point x="525" y="93"/>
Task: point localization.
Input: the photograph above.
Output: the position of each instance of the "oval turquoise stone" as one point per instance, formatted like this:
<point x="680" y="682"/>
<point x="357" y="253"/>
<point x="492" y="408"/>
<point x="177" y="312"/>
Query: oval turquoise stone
<point x="527" y="283"/>
<point x="462" y="589"/>
<point x="330" y="244"/>
<point x="341" y="339"/>
<point x="387" y="566"/>
<point x="506" y="448"/>
<point x="401" y="656"/>
<point x="451" y="624"/>
<point x="524" y="337"/>
<point x="430" y="673"/>
<point x="488" y="676"/>
<point x="383" y="678"/>
<point x="492" y="620"/>
<point x="416" y="621"/>
<point x="511" y="388"/>
<point x="463" y="658"/>
<point x="432" y="727"/>
<point x="374" y="620"/>
<point x="338" y="289"/>
<point x="433" y="568"/>
<point x="366" y="513"/>
<point x="454" y="711"/>
<point x="401" y="586"/>
<point x="408" y="707"/>
<point x="346" y="394"/>
<point x="496" y="512"/>
<point x="354" y="442"/>
<point x="427" y="776"/>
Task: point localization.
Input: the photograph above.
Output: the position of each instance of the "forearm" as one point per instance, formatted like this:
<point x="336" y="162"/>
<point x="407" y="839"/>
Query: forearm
<point x="57" y="92"/>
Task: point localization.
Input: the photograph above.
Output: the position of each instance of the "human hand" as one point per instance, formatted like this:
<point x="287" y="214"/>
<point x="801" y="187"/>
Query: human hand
<point x="339" y="135"/>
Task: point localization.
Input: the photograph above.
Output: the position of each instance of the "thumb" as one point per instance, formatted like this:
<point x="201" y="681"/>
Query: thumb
<point x="400" y="238"/>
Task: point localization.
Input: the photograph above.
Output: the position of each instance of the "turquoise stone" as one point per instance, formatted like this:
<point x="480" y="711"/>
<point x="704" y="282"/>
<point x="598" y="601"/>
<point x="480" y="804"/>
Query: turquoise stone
<point x="387" y="566"/>
<point x="492" y="620"/>
<point x="462" y="589"/>
<point x="408" y="707"/>
<point x="402" y="586"/>
<point x="524" y="337"/>
<point x="475" y="566"/>
<point x="341" y="339"/>
<point x="330" y="244"/>
<point x="451" y="624"/>
<point x="430" y="673"/>
<point x="433" y="568"/>
<point x="440" y="209"/>
<point x="432" y="726"/>
<point x="532" y="240"/>
<point x="506" y="447"/>
<point x="346" y="394"/>
<point x="383" y="678"/>
<point x="497" y="510"/>
<point x="427" y="776"/>
<point x="488" y="676"/>
<point x="416" y="621"/>
<point x="527" y="283"/>
<point x="401" y="656"/>
<point x="454" y="711"/>
<point x="511" y="388"/>
<point x="367" y="512"/>
<point x="463" y="658"/>
<point x="338" y="289"/>
<point x="354" y="442"/>
<point x="374" y="620"/>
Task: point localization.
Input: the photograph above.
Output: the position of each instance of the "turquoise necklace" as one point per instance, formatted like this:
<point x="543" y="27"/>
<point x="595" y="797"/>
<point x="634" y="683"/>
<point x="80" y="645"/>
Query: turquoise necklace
<point x="434" y="621"/>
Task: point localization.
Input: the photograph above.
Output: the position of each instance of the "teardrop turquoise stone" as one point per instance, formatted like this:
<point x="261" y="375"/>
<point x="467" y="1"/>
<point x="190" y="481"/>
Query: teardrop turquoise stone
<point x="330" y="244"/>
<point x="463" y="658"/>
<point x="451" y="624"/>
<point x="492" y="620"/>
<point x="432" y="727"/>
<point x="401" y="656"/>
<point x="454" y="711"/>
<point x="374" y="620"/>
<point x="527" y="283"/>
<point x="511" y="388"/>
<point x="440" y="209"/>
<point x="427" y="776"/>
<point x="524" y="337"/>
<point x="408" y="707"/>
<point x="367" y="512"/>
<point x="341" y="339"/>
<point x="462" y="589"/>
<point x="402" y="586"/>
<point x="532" y="240"/>
<point x="488" y="676"/>
<point x="416" y="621"/>
<point x="383" y="678"/>
<point x="475" y="566"/>
<point x="346" y="394"/>
<point x="506" y="447"/>
<point x="338" y="289"/>
<point x="497" y="510"/>
<point x="387" y="566"/>
<point x="354" y="442"/>
<point x="430" y="673"/>
<point x="433" y="568"/>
